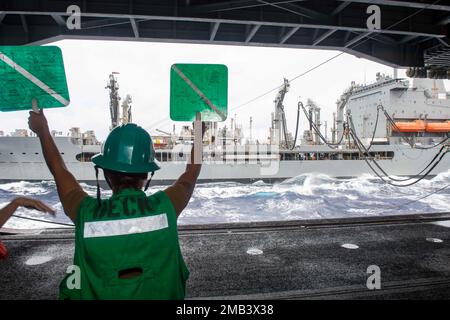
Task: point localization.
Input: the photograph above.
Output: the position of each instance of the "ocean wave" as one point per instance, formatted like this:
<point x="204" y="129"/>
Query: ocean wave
<point x="27" y="188"/>
<point x="307" y="196"/>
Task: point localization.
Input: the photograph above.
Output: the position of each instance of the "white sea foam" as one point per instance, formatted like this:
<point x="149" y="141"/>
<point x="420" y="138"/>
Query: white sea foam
<point x="26" y="188"/>
<point x="307" y="196"/>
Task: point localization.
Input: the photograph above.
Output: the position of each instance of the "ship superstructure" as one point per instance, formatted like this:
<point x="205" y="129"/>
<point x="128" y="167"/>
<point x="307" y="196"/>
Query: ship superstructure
<point x="387" y="128"/>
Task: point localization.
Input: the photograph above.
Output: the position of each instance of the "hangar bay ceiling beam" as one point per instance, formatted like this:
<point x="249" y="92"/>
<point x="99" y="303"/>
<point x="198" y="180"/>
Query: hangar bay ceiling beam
<point x="324" y="24"/>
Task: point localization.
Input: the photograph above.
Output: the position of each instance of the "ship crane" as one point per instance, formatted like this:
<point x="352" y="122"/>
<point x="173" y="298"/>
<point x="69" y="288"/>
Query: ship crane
<point x="338" y="119"/>
<point x="278" y="127"/>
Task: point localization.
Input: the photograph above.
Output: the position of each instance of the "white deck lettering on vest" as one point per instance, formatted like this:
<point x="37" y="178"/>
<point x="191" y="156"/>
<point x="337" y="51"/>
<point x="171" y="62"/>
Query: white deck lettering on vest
<point x="125" y="226"/>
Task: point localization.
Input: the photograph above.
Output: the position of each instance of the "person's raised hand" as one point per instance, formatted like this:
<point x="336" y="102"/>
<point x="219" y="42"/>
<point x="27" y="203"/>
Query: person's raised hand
<point x="37" y="122"/>
<point x="203" y="127"/>
<point x="33" y="204"/>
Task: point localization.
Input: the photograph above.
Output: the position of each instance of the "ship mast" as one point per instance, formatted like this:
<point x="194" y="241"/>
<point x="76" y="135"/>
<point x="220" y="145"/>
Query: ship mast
<point x="126" y="110"/>
<point x="114" y="98"/>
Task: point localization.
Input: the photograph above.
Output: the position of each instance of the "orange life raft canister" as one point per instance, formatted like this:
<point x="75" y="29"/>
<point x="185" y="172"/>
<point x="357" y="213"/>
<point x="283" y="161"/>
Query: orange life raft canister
<point x="410" y="126"/>
<point x="438" y="126"/>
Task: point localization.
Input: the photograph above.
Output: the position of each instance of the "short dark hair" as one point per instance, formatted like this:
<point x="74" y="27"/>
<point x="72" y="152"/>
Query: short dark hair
<point x="125" y="180"/>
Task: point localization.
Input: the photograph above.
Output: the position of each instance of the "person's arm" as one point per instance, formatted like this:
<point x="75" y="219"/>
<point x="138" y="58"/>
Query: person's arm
<point x="66" y="183"/>
<point x="8" y="211"/>
<point x="181" y="190"/>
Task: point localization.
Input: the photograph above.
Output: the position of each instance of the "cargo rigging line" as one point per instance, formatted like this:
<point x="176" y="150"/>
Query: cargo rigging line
<point x="392" y="122"/>
<point x="358" y="141"/>
<point x="317" y="130"/>
<point x="407" y="140"/>
<point x="375" y="128"/>
<point x="296" y="129"/>
<point x="387" y="175"/>
<point x="421" y="198"/>
<point x="359" y="144"/>
<point x="399" y="185"/>
<point x="358" y="43"/>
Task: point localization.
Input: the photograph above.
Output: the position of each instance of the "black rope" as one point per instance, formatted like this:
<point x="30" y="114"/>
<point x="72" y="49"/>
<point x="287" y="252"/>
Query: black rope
<point x="374" y="129"/>
<point x="357" y="44"/>
<point x="409" y="140"/>
<point x="389" y="182"/>
<point x="296" y="127"/>
<point x="46" y="221"/>
<point x="284" y="127"/>
<point x="431" y="147"/>
<point x="421" y="198"/>
<point x="393" y="124"/>
<point x="293" y="79"/>
<point x="357" y="140"/>
<point x="313" y="125"/>
<point x="366" y="152"/>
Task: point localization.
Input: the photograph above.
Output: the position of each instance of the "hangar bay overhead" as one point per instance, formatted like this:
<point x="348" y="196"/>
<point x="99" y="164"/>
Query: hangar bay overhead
<point x="412" y="33"/>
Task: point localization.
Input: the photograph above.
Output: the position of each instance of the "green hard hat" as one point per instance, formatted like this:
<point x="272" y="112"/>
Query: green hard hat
<point x="128" y="149"/>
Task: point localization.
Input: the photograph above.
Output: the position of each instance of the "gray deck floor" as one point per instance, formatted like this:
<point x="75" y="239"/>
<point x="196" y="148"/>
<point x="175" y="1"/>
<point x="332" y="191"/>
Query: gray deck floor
<point x="299" y="260"/>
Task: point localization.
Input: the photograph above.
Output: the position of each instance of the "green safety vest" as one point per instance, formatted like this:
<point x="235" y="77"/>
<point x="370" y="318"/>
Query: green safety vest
<point x="129" y="231"/>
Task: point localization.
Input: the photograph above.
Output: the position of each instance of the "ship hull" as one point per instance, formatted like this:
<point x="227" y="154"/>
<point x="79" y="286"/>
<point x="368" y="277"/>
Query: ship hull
<point x="21" y="159"/>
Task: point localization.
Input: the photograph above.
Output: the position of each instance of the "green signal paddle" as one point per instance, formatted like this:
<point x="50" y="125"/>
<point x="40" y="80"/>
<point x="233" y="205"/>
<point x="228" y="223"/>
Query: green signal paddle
<point x="198" y="92"/>
<point x="32" y="76"/>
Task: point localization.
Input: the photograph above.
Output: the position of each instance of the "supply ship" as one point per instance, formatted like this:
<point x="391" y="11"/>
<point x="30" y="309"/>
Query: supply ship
<point x="389" y="128"/>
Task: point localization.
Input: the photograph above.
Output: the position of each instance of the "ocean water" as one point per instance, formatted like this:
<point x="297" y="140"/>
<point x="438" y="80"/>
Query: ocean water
<point x="308" y="196"/>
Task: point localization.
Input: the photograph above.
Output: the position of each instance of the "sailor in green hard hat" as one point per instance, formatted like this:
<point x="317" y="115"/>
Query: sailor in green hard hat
<point x="126" y="247"/>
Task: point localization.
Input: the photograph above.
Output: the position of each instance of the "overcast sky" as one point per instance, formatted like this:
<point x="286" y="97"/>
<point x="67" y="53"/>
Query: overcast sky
<point x="144" y="73"/>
